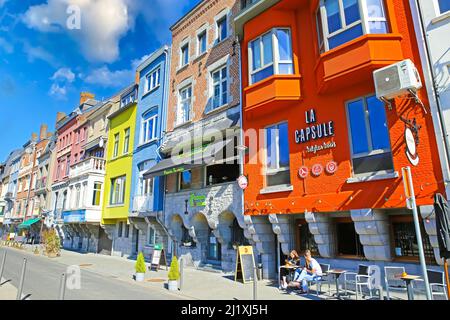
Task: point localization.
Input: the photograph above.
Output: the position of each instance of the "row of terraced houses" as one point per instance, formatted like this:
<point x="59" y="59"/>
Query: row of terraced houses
<point x="281" y="124"/>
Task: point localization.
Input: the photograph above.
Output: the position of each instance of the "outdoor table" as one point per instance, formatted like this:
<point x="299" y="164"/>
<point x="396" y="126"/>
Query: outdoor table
<point x="408" y="280"/>
<point x="287" y="267"/>
<point x="337" y="273"/>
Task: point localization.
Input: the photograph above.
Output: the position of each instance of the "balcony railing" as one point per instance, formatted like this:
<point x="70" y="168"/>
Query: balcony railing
<point x="143" y="204"/>
<point x="90" y="165"/>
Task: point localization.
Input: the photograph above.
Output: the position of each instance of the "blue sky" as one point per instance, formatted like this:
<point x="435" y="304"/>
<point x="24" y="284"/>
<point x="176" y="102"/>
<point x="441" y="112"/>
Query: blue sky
<point x="44" y="65"/>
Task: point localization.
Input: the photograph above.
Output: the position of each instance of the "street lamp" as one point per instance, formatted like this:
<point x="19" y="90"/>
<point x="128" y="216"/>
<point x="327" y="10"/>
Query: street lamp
<point x="30" y="150"/>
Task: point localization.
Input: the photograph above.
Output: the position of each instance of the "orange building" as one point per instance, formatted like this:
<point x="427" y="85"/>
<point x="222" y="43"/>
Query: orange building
<point x="326" y="171"/>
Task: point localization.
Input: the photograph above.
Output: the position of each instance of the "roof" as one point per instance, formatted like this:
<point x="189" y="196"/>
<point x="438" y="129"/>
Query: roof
<point x="153" y="56"/>
<point x="187" y="14"/>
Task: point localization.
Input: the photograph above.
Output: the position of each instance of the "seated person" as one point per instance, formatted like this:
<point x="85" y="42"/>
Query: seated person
<point x="294" y="260"/>
<point x="311" y="270"/>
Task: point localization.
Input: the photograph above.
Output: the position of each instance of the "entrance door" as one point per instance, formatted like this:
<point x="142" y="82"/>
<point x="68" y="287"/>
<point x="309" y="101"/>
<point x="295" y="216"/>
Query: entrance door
<point x="214" y="248"/>
<point x="104" y="243"/>
<point x="136" y="241"/>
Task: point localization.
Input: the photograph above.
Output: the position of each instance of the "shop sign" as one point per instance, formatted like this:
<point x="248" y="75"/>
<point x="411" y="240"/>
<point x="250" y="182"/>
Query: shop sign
<point x="242" y="182"/>
<point x="303" y="172"/>
<point x="173" y="170"/>
<point x="317" y="170"/>
<point x="76" y="216"/>
<point x="197" y="201"/>
<point x="411" y="147"/>
<point x="314" y="130"/>
<point x="331" y="167"/>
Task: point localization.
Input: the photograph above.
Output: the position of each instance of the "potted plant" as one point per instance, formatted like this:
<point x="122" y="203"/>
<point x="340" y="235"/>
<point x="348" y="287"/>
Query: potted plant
<point x="174" y="274"/>
<point x="52" y="244"/>
<point x="140" y="267"/>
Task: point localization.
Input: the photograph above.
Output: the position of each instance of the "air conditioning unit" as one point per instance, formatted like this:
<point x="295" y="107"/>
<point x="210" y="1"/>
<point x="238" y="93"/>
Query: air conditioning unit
<point x="397" y="80"/>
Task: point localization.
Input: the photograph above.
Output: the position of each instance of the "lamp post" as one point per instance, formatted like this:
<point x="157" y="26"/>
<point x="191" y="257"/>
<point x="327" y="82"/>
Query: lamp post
<point x="30" y="150"/>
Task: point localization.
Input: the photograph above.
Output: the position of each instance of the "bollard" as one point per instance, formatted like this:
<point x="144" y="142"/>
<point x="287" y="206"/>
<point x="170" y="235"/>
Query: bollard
<point x="255" y="284"/>
<point x="22" y="279"/>
<point x="2" y="267"/>
<point x="181" y="273"/>
<point x="62" y="287"/>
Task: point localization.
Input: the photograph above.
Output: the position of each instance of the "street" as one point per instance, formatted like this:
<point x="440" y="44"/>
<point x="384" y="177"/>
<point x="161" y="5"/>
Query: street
<point x="43" y="277"/>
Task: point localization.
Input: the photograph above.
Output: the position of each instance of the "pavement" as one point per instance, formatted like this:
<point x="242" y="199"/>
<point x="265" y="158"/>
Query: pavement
<point x="109" y="277"/>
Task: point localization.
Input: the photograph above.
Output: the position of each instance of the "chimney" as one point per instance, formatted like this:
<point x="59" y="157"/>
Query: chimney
<point x="84" y="96"/>
<point x="34" y="136"/>
<point x="60" y="116"/>
<point x="43" y="132"/>
<point x="137" y="77"/>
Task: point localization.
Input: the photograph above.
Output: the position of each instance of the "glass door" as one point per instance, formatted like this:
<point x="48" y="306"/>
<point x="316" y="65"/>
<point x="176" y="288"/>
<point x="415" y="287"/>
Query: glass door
<point x="214" y="248"/>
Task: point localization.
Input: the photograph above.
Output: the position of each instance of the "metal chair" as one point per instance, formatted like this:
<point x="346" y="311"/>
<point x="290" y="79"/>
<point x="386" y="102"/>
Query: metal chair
<point x="362" y="278"/>
<point x="437" y="284"/>
<point x="319" y="279"/>
<point x="392" y="280"/>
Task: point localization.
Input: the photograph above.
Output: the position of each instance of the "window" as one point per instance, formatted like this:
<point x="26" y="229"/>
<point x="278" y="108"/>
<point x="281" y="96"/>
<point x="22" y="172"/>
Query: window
<point x="186" y="239"/>
<point x="68" y="166"/>
<point x="77" y="196"/>
<point x="305" y="239"/>
<point x="97" y="193"/>
<point x="117" y="191"/>
<point x="277" y="155"/>
<point x="270" y="54"/>
<point x="127" y="231"/>
<point x="116" y="145"/>
<point x="247" y="3"/>
<point x="221" y="173"/>
<point x="369" y="136"/>
<point x="130" y="98"/>
<point x="151" y="238"/>
<point x="201" y="43"/>
<point x="222" y="30"/>
<point x="120" y="231"/>
<point x="145" y="185"/>
<point x="184" y="108"/>
<point x="237" y="235"/>
<point x="219" y="87"/>
<point x="153" y="79"/>
<point x="348" y="242"/>
<point x="444" y="6"/>
<point x="148" y="127"/>
<point x="126" y="141"/>
<point x="340" y="21"/>
<point x="185" y="180"/>
<point x="184" y="58"/>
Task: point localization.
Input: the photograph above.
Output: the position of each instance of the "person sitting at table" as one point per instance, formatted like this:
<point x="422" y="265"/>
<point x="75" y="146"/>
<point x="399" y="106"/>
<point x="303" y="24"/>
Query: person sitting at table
<point x="292" y="261"/>
<point x="311" y="270"/>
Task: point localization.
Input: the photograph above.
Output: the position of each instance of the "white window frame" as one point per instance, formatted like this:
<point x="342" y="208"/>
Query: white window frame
<point x="371" y="151"/>
<point x="184" y="43"/>
<point x="126" y="140"/>
<point x="116" y="144"/>
<point x="202" y="30"/>
<point x="145" y="123"/>
<point x="224" y="14"/>
<point x="120" y="192"/>
<point x="221" y="81"/>
<point x="438" y="9"/>
<point x="364" y="20"/>
<point x="278" y="169"/>
<point x="180" y="105"/>
<point x="94" y="191"/>
<point x="146" y="185"/>
<point x="153" y="79"/>
<point x="151" y="242"/>
<point x="276" y="61"/>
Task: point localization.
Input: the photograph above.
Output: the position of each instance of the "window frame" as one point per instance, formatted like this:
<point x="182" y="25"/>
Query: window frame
<point x="126" y="141"/>
<point x="180" y="104"/>
<point x="439" y="10"/>
<point x="145" y="122"/>
<point x="275" y="54"/>
<point x="153" y="240"/>
<point x="116" y="143"/>
<point x="97" y="194"/>
<point x="121" y="192"/>
<point x="364" y="20"/>
<point x="219" y="19"/>
<point x="150" y="81"/>
<point x="182" y="63"/>
<point x="268" y="170"/>
<point x="220" y="83"/>
<point x="371" y="151"/>
<point x="202" y="31"/>
<point x="179" y="175"/>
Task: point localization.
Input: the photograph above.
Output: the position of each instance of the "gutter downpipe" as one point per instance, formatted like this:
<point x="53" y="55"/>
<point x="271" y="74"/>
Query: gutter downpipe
<point x="433" y="95"/>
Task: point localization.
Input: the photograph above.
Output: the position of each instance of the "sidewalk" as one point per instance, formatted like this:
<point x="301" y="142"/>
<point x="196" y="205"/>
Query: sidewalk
<point x="7" y="291"/>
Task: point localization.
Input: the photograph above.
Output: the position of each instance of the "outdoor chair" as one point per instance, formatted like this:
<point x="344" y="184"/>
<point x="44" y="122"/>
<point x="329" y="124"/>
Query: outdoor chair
<point x="363" y="278"/>
<point x="437" y="284"/>
<point x="392" y="280"/>
<point x="319" y="279"/>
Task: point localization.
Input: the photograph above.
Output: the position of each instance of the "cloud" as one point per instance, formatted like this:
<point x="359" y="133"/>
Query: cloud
<point x="6" y="46"/>
<point x="58" y="92"/>
<point x="63" y="74"/>
<point x="102" y="24"/>
<point x="38" y="53"/>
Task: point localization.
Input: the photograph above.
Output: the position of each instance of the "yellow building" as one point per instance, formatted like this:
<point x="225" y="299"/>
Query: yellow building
<point x="116" y="202"/>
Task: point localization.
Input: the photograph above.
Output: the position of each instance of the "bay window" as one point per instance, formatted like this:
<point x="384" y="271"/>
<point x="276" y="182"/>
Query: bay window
<point x="184" y="106"/>
<point x="369" y="136"/>
<point x="148" y="127"/>
<point x="277" y="155"/>
<point x="340" y="21"/>
<point x="219" y="87"/>
<point x="270" y="54"/>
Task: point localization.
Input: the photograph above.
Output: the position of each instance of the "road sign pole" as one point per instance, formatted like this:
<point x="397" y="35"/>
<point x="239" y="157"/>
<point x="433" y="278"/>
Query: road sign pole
<point x="2" y="267"/>
<point x="181" y="273"/>
<point x="411" y="202"/>
<point x="62" y="287"/>
<point x="22" y="279"/>
<point x="255" y="283"/>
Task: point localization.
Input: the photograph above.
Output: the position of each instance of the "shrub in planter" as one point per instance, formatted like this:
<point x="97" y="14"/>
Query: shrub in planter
<point x="174" y="274"/>
<point x="51" y="242"/>
<point x="140" y="267"/>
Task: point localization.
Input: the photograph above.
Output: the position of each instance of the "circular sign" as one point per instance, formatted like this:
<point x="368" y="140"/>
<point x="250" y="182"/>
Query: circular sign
<point x="317" y="170"/>
<point x="331" y="167"/>
<point x="303" y="172"/>
<point x="243" y="182"/>
<point x="101" y="143"/>
<point x="411" y="149"/>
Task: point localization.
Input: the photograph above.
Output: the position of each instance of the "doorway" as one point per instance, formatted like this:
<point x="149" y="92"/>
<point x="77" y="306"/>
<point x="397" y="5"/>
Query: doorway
<point x="135" y="241"/>
<point x="214" y="254"/>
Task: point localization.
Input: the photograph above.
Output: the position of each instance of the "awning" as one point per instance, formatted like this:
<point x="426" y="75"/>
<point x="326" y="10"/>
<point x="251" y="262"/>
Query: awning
<point x="206" y="155"/>
<point x="29" y="223"/>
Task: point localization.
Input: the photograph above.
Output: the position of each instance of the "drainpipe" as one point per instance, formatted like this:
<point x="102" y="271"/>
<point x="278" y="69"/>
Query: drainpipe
<point x="424" y="50"/>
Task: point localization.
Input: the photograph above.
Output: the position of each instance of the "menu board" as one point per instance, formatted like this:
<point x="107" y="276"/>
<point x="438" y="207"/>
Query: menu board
<point x="245" y="264"/>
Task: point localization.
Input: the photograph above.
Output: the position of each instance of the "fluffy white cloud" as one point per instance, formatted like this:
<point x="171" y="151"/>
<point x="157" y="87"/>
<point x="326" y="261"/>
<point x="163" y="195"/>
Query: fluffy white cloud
<point x="103" y="24"/>
<point x="6" y="46"/>
<point x="58" y="92"/>
<point x="38" y="53"/>
<point x="63" y="74"/>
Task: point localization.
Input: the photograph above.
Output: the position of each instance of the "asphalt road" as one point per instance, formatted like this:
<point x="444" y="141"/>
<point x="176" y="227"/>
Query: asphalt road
<point x="43" y="277"/>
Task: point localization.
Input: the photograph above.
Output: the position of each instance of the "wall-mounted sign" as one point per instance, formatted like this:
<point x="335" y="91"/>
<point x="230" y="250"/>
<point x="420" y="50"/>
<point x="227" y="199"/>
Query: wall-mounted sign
<point x="197" y="201"/>
<point x="303" y="172"/>
<point x="317" y="170"/>
<point x="314" y="130"/>
<point x="411" y="148"/>
<point x="242" y="182"/>
<point x="331" y="167"/>
<point x="173" y="170"/>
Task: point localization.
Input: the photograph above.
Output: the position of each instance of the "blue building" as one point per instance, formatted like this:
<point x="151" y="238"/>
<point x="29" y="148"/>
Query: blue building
<point x="147" y="194"/>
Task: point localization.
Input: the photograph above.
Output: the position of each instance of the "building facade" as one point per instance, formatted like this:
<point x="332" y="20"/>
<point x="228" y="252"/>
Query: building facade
<point x="326" y="172"/>
<point x="202" y="205"/>
<point x="147" y="194"/>
<point x="119" y="162"/>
